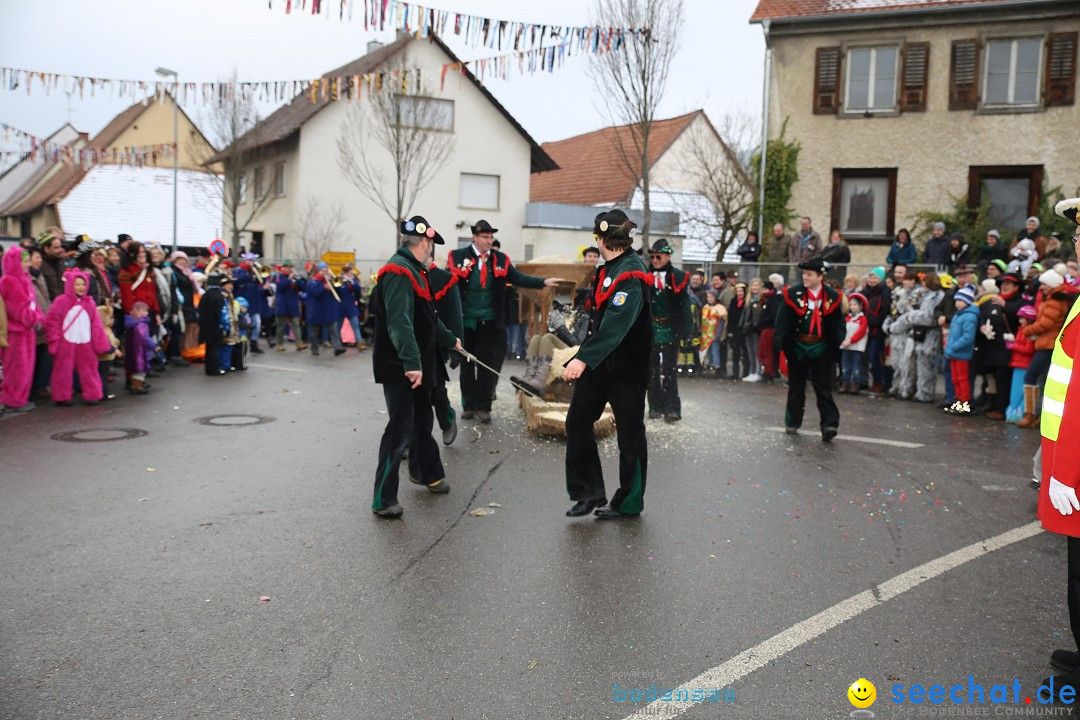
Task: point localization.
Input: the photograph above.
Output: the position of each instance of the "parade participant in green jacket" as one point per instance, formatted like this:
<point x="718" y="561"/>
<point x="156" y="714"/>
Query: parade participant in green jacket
<point x="408" y="364"/>
<point x="672" y="324"/>
<point x="611" y="366"/>
<point x="809" y="329"/>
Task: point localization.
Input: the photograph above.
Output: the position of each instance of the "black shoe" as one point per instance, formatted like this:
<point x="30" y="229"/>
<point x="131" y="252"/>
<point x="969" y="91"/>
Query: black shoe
<point x="791" y="430"/>
<point x="1067" y="660"/>
<point x="827" y="434"/>
<point x="653" y="415"/>
<point x="483" y="416"/>
<point x="584" y="507"/>
<point x="609" y="513"/>
<point x="468" y="415"/>
<point x="179" y="362"/>
<point x="672" y="418"/>
<point x="393" y="511"/>
<point x="1071" y="678"/>
<point x="449" y="435"/>
<point x="339" y="351"/>
<point x="257" y="350"/>
<point x="64" y="403"/>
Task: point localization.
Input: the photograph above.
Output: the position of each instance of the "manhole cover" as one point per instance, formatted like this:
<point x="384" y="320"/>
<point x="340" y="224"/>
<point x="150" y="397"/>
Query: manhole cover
<point x="234" y="420"/>
<point x="99" y="435"/>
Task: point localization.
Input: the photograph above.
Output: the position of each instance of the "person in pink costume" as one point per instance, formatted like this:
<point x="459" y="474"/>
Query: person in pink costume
<point x="17" y="289"/>
<point x="76" y="338"/>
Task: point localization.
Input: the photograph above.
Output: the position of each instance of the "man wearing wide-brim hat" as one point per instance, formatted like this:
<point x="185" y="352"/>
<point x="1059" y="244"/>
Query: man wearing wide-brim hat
<point x="483" y="274"/>
<point x="408" y="364"/>
<point x="672" y="323"/>
<point x="809" y="330"/>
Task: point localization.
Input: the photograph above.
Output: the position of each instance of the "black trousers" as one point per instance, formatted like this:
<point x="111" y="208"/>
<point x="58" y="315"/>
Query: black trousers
<point x="407" y="427"/>
<point x="488" y="344"/>
<point x="212" y="360"/>
<point x="739" y="355"/>
<point x="664" y="380"/>
<point x="444" y="410"/>
<point x="820" y="373"/>
<point x="1074" y="588"/>
<point x="584" y="475"/>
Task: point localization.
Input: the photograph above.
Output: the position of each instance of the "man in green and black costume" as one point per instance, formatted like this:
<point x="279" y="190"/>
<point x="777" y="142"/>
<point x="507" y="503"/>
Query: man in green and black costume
<point x="672" y="323"/>
<point x="448" y="308"/>
<point x="483" y="273"/>
<point x="809" y="329"/>
<point x="611" y="366"/>
<point x="408" y="364"/>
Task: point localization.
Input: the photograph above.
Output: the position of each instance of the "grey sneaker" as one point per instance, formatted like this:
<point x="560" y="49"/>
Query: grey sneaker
<point x="449" y="435"/>
<point x="439" y="488"/>
<point x="393" y="511"/>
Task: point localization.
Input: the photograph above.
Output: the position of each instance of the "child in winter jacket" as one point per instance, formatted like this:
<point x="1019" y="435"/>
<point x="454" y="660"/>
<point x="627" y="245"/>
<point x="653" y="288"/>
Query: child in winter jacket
<point x="854" y="345"/>
<point x="76" y="337"/>
<point x="960" y="348"/>
<point x="136" y="342"/>
<point x="1023" y="349"/>
<point x="105" y="359"/>
<point x="17" y="290"/>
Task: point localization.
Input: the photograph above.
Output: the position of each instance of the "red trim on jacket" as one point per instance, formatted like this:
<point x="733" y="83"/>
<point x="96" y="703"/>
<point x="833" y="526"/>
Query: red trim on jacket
<point x="602" y="294"/>
<point x="675" y="286"/>
<point x="423" y="292"/>
<point x="864" y="326"/>
<point x="442" y="293"/>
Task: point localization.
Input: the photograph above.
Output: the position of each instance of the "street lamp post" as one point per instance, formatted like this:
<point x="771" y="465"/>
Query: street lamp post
<point x="165" y="72"/>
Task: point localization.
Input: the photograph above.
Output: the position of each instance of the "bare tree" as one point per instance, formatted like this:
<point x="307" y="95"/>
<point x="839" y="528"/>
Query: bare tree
<point x="392" y="145"/>
<point x="233" y="121"/>
<point x="717" y="162"/>
<point x="317" y="226"/>
<point x="630" y="82"/>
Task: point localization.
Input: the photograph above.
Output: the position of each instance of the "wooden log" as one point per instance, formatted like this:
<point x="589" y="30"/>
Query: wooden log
<point x="550" y="418"/>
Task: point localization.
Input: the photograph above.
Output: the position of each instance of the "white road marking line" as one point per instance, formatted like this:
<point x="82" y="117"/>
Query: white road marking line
<point x="275" y="367"/>
<point x="1000" y="488"/>
<point x="873" y="441"/>
<point x="784" y="642"/>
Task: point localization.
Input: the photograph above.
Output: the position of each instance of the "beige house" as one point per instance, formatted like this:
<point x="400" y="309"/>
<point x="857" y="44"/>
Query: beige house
<point x="33" y="206"/>
<point x="597" y="171"/>
<point x="293" y="154"/>
<point x="900" y="106"/>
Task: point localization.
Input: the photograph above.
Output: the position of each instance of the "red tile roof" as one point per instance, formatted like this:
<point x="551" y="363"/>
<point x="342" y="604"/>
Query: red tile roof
<point x="792" y="9"/>
<point x="50" y="192"/>
<point x="593" y="170"/>
<point x="287" y="119"/>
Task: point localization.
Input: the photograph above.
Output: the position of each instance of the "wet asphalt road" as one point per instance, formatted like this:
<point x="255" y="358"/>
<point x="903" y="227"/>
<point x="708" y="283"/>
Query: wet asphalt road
<point x="133" y="569"/>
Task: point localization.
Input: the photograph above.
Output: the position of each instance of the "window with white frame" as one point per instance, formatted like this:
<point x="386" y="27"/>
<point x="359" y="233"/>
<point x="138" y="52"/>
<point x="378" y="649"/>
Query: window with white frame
<point x="279" y="245"/>
<point x="871" y="79"/>
<point x="241" y="191"/>
<point x="279" y="178"/>
<point x="260" y="184"/>
<point x="479" y="191"/>
<point x="425" y="112"/>
<point x="1012" y="71"/>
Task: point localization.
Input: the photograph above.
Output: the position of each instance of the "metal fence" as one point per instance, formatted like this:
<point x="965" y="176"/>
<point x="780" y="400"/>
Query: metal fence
<point x="790" y="271"/>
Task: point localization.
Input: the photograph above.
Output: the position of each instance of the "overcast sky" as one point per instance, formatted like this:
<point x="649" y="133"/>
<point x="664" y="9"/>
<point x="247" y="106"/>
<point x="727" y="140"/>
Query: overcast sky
<point x="719" y="66"/>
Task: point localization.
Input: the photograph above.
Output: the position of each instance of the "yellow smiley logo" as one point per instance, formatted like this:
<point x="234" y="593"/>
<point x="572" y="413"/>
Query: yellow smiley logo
<point x="862" y="693"/>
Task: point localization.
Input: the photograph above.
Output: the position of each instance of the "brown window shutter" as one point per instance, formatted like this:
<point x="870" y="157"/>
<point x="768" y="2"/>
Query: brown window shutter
<point x="916" y="66"/>
<point x="1061" y="68"/>
<point x="827" y="81"/>
<point x="964" y="75"/>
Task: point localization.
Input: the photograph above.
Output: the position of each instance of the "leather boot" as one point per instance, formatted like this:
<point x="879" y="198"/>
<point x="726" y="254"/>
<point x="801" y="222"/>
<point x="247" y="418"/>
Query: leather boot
<point x="1031" y="399"/>
<point x="138" y="387"/>
<point x="525" y="382"/>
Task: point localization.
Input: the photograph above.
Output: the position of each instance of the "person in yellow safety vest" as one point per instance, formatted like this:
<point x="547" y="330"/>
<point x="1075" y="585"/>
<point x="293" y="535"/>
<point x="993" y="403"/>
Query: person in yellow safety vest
<point x="1059" y="508"/>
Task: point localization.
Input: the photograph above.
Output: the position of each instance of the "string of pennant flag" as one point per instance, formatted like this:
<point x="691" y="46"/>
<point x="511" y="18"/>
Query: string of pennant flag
<point x="475" y="30"/>
<point x="348" y="87"/>
<point x="35" y="148"/>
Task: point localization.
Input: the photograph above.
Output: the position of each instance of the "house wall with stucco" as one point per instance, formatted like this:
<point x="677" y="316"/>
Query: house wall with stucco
<point x="484" y="141"/>
<point x="154" y="126"/>
<point x="932" y="150"/>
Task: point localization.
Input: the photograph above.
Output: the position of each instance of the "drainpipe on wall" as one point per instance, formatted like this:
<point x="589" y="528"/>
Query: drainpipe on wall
<point x="764" y="133"/>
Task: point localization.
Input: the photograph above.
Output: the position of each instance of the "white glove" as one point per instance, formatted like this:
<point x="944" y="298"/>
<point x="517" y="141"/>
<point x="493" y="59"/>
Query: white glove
<point x="1063" y="497"/>
<point x="1009" y="337"/>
